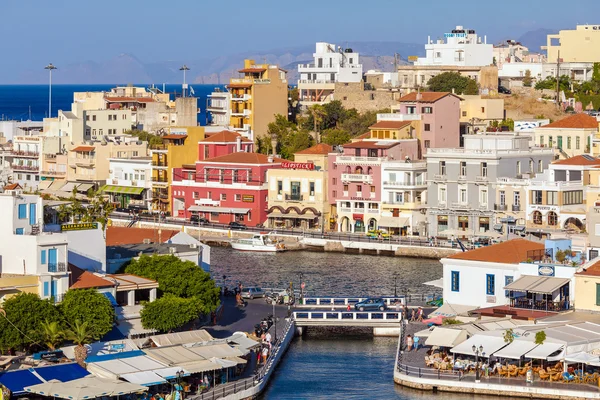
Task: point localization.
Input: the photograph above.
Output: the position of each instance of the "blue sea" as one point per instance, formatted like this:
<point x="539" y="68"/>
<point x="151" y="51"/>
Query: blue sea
<point x="23" y="102"/>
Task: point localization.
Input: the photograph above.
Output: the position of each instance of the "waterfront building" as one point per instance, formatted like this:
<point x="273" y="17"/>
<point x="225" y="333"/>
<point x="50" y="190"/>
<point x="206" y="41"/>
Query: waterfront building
<point x="218" y="112"/>
<point x="54" y="168"/>
<point x="404" y="196"/>
<point x="33" y="259"/>
<point x="571" y="136"/>
<point x="298" y="191"/>
<point x="577" y="45"/>
<point x="463" y="182"/>
<point x="10" y="129"/>
<point x="587" y="282"/>
<point x="129" y="184"/>
<point x="224" y="189"/>
<point x="177" y="149"/>
<point x="477" y="113"/>
<point x="256" y="98"/>
<point x="518" y="273"/>
<point x="332" y="64"/>
<point x="557" y="197"/>
<point x="510" y="205"/>
<point x="25" y="159"/>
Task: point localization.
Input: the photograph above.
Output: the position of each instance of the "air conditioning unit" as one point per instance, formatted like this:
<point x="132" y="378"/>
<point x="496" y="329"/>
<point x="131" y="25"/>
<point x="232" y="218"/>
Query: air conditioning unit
<point x="146" y="241"/>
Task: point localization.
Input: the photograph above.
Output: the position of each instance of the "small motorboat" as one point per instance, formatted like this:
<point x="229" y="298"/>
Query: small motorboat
<point x="258" y="242"/>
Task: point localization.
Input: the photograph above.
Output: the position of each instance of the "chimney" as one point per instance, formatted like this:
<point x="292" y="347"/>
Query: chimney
<point x="238" y="143"/>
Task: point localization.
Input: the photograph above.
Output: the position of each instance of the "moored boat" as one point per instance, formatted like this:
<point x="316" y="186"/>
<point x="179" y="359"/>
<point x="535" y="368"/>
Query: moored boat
<point x="258" y="242"/>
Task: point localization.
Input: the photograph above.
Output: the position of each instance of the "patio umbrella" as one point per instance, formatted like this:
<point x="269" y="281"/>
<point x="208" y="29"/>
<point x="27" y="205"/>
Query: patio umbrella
<point x="89" y="387"/>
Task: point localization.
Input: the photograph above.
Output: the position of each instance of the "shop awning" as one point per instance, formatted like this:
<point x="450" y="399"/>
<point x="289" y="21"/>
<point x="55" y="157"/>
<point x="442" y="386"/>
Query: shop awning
<point x="224" y="210"/>
<point x="582" y="358"/>
<point x="537" y="284"/>
<point x="17" y="381"/>
<point x="438" y="283"/>
<point x="132" y="327"/>
<point x="291" y="216"/>
<point x="393" y="222"/>
<point x="170" y="339"/>
<point x="543" y="351"/>
<point x="218" y="350"/>
<point x="357" y="217"/>
<point x="445" y="337"/>
<point x="90" y="387"/>
<point x="491" y="344"/>
<point x="450" y="310"/>
<point x="45" y="184"/>
<point x="519" y="228"/>
<point x="68" y="187"/>
<point x="62" y="372"/>
<point x="516" y="349"/>
<point x="84" y="187"/>
<point x="144" y="378"/>
<point x="121" y="189"/>
<point x="170" y="372"/>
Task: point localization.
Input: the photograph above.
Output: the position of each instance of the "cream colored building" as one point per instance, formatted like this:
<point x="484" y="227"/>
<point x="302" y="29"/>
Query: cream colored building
<point x="412" y="77"/>
<point x="587" y="286"/>
<point x="581" y="44"/>
<point x="570" y="136"/>
<point x="298" y="191"/>
<point x="477" y="113"/>
<point x="509" y="206"/>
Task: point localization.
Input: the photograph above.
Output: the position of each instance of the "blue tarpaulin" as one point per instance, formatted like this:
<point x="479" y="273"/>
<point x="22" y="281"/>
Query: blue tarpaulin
<point x="111" y="298"/>
<point x="62" y="372"/>
<point x="115" y="356"/>
<point x="15" y="381"/>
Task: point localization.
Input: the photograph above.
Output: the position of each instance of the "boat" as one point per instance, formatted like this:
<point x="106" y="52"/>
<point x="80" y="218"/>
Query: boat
<point x="258" y="242"/>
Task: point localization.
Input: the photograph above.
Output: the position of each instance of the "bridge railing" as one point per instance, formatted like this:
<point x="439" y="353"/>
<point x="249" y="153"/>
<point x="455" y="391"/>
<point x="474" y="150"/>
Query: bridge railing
<point x="347" y="316"/>
<point x="428" y="373"/>
<point x="389" y="301"/>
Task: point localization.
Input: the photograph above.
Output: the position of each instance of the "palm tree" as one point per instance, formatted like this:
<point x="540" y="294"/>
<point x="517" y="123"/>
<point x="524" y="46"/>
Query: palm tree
<point x="80" y="335"/>
<point x="52" y="335"/>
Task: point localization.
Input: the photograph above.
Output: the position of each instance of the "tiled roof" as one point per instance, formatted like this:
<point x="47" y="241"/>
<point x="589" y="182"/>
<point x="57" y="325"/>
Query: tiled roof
<point x="119" y="235"/>
<point x="225" y="137"/>
<point x="390" y="125"/>
<point x="509" y="252"/>
<point x="320" y="148"/>
<point x="174" y="136"/>
<point x="12" y="186"/>
<point x="576" y="121"/>
<point x="579" y="160"/>
<point x="243" y="158"/>
<point x="365" y="135"/>
<point x="84" y="148"/>
<point x="81" y="279"/>
<point x="592" y="270"/>
<point x="426" y="97"/>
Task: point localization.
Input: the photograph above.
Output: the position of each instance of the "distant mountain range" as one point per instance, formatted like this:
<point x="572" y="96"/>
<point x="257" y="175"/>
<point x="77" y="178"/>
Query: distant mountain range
<point x="127" y="68"/>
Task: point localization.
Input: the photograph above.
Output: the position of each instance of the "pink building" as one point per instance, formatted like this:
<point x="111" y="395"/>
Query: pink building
<point x="223" y="143"/>
<point x="231" y="187"/>
<point x="355" y="178"/>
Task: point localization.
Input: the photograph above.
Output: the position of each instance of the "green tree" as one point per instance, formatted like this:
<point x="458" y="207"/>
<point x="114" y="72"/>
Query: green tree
<point x="52" y="334"/>
<point x="91" y="307"/>
<point x="81" y="334"/>
<point x="290" y="138"/>
<point x="527" y="78"/>
<point x="26" y="312"/>
<point x="170" y="312"/>
<point x="472" y="88"/>
<point x="335" y="137"/>
<point x="97" y="210"/>
<point x="550" y="83"/>
<point x="448" y="81"/>
<point x="145" y="136"/>
<point x="180" y="278"/>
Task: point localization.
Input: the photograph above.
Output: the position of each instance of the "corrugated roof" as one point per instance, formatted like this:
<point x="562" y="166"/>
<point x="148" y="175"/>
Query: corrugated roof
<point x="576" y="121"/>
<point x="119" y="235"/>
<point x="390" y="125"/>
<point x="244" y="158"/>
<point x="426" y="97"/>
<point x="84" y="148"/>
<point x="320" y="148"/>
<point x="509" y="252"/>
<point x="225" y="137"/>
<point x="583" y="159"/>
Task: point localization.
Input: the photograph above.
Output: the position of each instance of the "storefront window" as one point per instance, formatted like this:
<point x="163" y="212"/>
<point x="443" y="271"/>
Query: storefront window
<point x="442" y="223"/>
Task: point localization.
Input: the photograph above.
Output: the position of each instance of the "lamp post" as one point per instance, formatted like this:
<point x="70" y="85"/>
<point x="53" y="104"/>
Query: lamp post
<point x="50" y="67"/>
<point x="184" y="87"/>
<point x="478" y="351"/>
<point x="395" y="286"/>
<point x="301" y="288"/>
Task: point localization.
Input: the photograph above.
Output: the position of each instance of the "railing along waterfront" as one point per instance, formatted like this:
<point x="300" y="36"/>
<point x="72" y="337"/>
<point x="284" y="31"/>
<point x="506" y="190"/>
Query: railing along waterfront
<point x="345" y="301"/>
<point x="347" y="316"/>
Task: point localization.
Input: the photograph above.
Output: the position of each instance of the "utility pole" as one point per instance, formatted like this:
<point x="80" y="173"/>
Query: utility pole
<point x="557" y="79"/>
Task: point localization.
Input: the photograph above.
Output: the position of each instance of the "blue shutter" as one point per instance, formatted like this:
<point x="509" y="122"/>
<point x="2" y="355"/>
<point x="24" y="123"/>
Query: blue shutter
<point x="54" y="289"/>
<point x="455" y="281"/>
<point x="43" y="257"/>
<point x="19" y="231"/>
<point x="490" y="284"/>
<point x="22" y="211"/>
<point x="46" y="289"/>
<point x="52" y="267"/>
<point x="32" y="214"/>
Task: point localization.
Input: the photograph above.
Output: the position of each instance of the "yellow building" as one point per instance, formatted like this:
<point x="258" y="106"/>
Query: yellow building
<point x="12" y="284"/>
<point x="579" y="45"/>
<point x="587" y="287"/>
<point x="179" y="147"/>
<point x="257" y="97"/>
<point x="298" y="191"/>
<point x="570" y="136"/>
<point x="477" y="113"/>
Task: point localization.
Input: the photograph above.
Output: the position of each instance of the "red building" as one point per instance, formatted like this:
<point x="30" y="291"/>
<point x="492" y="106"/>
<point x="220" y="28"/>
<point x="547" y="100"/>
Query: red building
<point x="231" y="187"/>
<point x="223" y="143"/>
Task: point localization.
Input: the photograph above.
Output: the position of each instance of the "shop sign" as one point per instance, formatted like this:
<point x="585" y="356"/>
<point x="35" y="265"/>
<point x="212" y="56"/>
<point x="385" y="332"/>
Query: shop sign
<point x="358" y="198"/>
<point x="442" y="218"/>
<point x="463" y="219"/>
<point x="248" y="198"/>
<point x="413" y="58"/>
<point x="545" y="208"/>
<point x="83" y="226"/>
<point x="546" y="270"/>
<point x="295" y="165"/>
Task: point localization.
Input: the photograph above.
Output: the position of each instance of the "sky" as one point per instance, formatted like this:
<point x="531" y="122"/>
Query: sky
<point x="36" y="32"/>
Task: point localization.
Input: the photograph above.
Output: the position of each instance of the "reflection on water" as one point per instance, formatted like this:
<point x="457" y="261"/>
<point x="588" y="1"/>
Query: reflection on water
<point x="326" y="274"/>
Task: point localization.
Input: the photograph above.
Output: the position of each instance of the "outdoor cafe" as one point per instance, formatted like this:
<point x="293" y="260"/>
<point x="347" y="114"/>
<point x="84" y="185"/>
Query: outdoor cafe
<point x="546" y="293"/>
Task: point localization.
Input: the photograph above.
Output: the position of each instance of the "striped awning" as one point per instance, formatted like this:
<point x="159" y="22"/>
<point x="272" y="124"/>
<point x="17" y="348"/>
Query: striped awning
<point x="121" y="189"/>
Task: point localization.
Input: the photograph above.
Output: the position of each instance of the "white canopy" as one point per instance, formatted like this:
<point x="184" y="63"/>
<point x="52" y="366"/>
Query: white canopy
<point x="89" y="387"/>
<point x="450" y="310"/>
<point x="223" y="362"/>
<point x="132" y="327"/>
<point x="584" y="358"/>
<point x="543" y="351"/>
<point x="170" y="372"/>
<point x="425" y="332"/>
<point x="491" y="344"/>
<point x="169" y="339"/>
<point x="516" y="349"/>
<point x="438" y="283"/>
<point x="445" y="337"/>
<point x="144" y="378"/>
<point x="216" y="350"/>
<point x="242" y="342"/>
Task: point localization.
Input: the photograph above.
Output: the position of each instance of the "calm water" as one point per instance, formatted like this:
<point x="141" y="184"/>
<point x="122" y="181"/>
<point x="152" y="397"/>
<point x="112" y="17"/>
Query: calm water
<point x="321" y="366"/>
<point x="15" y="100"/>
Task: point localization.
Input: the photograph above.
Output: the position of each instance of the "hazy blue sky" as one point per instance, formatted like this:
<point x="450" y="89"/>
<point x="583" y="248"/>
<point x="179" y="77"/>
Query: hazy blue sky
<point x="35" y="32"/>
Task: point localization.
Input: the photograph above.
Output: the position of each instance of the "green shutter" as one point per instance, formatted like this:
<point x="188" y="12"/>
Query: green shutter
<point x="598" y="294"/>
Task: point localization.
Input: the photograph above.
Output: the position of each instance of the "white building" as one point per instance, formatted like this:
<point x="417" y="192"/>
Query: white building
<point x="130" y="182"/>
<point x="460" y="47"/>
<point x="26" y="249"/>
<point x="26" y="161"/>
<point x="332" y="64"/>
<point x="218" y="111"/>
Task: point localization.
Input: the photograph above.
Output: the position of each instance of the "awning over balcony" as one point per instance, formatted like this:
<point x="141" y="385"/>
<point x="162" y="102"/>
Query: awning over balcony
<point x="84" y="187"/>
<point x="224" y="210"/>
<point x="394" y="222"/>
<point x="537" y="284"/>
<point x="121" y="189"/>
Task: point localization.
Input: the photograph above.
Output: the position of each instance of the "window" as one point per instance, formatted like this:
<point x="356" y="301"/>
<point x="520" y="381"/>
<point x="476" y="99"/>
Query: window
<point x="518" y="167"/>
<point x="238" y="197"/>
<point x="345" y="188"/>
<point x="358" y="188"/>
<point x="542" y="140"/>
<point x="536" y="197"/>
<point x="507" y="281"/>
<point x="552" y="198"/>
<point x="502" y="197"/>
<point x="573" y="197"/>
<point x="411" y="110"/>
<point x="463" y="168"/>
<point x="372" y="189"/>
<point x="87" y="117"/>
<point x="427" y="144"/>
<point x="22" y="211"/>
<point x="577" y="142"/>
<point x="93" y="117"/>
<point x="483" y="197"/>
<point x="455" y="281"/>
<point x="19" y="231"/>
<point x="530" y="165"/>
<point x="462" y="196"/>
<point x="442" y="195"/>
<point x="483" y="110"/>
<point x="442" y="167"/>
<point x="540" y="166"/>
<point x="552" y="218"/>
<point x="427" y="127"/>
<point x="334" y="181"/>
<point x="280" y="186"/>
<point x="598" y="294"/>
<point x="490" y="284"/>
<point x="464" y="113"/>
<point x="537" y="217"/>
<point x="195" y="195"/>
<point x="517" y="198"/>
<point x="484" y="170"/>
<point x="43" y="256"/>
<point x="335" y="193"/>
<point x="311" y="188"/>
<point x="223" y="196"/>
<point x="427" y="110"/>
<point x="549" y="141"/>
<point x="569" y="142"/>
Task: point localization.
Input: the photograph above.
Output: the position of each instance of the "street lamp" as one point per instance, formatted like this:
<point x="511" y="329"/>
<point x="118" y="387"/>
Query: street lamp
<point x="395" y="286"/>
<point x="184" y="87"/>
<point x="301" y="288"/>
<point x="50" y="67"/>
<point x="478" y="351"/>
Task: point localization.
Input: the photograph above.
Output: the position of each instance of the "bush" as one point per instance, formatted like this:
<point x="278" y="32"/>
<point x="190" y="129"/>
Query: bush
<point x="91" y="307"/>
<point x="170" y="312"/>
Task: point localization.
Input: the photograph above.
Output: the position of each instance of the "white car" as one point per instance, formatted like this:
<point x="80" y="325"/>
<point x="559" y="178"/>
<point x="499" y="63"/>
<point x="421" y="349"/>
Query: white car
<point x="252" y="292"/>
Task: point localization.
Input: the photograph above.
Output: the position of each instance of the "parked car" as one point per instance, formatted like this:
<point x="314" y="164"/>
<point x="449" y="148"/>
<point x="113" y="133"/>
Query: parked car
<point x="503" y="90"/>
<point x="379" y="234"/>
<point x="237" y="225"/>
<point x="196" y="219"/>
<point x="252" y="292"/>
<point x="371" y="304"/>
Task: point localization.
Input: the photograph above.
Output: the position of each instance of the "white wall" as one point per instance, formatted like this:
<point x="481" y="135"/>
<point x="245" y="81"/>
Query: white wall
<point x="87" y="249"/>
<point x="517" y="70"/>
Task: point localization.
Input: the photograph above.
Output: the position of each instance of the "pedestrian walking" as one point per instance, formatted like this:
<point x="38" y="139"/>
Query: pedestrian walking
<point x="412" y="315"/>
<point x="409" y="342"/>
<point x="420" y="315"/>
<point x="416" y="340"/>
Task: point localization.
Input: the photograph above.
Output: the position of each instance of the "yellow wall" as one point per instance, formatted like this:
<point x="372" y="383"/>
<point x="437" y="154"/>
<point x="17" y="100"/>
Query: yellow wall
<point x="585" y="287"/>
<point x="579" y="45"/>
<point x="18" y="284"/>
<point x="542" y="137"/>
<point x="483" y="109"/>
<point x="320" y="160"/>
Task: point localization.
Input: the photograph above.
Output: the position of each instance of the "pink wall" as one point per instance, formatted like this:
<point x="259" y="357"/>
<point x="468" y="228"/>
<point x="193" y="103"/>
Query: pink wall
<point x="220" y="149"/>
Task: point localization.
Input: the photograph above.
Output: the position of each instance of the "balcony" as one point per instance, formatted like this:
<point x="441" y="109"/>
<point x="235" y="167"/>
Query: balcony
<point x="460" y="205"/>
<point x="516" y="207"/>
<point x="57" y="267"/>
<point x="241" y="112"/>
<point x="53" y="173"/>
<point x="345" y="210"/>
<point x="20" y="153"/>
<point x="481" y="178"/>
<point x="160" y="179"/>
<point x="158" y="148"/>
<point x="372" y="211"/>
<point x="360" y="159"/>
<point x="237" y="97"/>
<point x="294" y="197"/>
<point x="357" y="178"/>
<point x="160" y="164"/>
<point x="500" y="207"/>
<point x="84" y="162"/>
<point x="31" y="168"/>
<point x="160" y="195"/>
<point x="440" y="177"/>
<point x="398" y="117"/>
<point x="462" y="179"/>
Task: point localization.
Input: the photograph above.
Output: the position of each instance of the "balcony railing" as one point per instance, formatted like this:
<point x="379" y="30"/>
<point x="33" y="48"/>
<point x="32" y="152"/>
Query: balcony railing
<point x="316" y="81"/>
<point x="500" y="207"/>
<point x="18" y="167"/>
<point x="294" y="197"/>
<point x="459" y="205"/>
<point x="159" y="163"/>
<point x="342" y="159"/>
<point x="440" y="177"/>
<point x="516" y="207"/>
<point x="57" y="267"/>
<point x="54" y="173"/>
<point x="20" y="153"/>
<point x="357" y="178"/>
<point x="160" y="179"/>
<point x="481" y="178"/>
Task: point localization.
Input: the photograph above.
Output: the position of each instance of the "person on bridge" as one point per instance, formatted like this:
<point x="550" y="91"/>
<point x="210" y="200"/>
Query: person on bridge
<point x="348" y="308"/>
<point x="409" y="343"/>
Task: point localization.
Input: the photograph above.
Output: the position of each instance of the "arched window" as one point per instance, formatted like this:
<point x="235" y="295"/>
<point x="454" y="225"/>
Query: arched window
<point x="537" y="217"/>
<point x="358" y="170"/>
<point x="348" y="169"/>
<point x="552" y="218"/>
<point x="370" y="171"/>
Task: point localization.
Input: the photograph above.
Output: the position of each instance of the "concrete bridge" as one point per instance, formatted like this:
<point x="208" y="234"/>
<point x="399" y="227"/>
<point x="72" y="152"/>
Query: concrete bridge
<point x="384" y="323"/>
